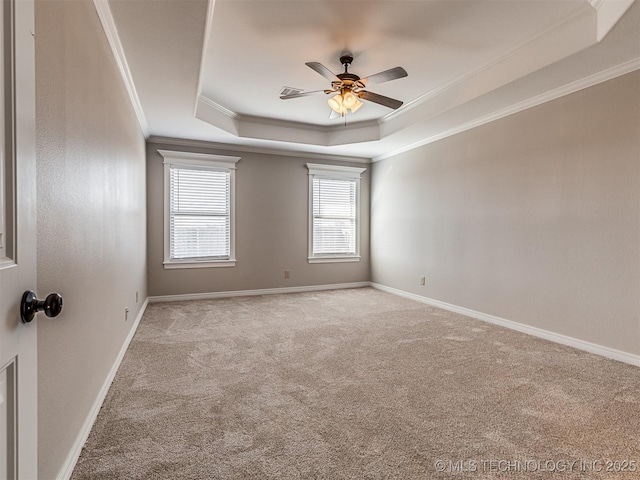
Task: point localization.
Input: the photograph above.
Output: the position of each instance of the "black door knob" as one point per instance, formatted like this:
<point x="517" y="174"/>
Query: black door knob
<point x="30" y="305"/>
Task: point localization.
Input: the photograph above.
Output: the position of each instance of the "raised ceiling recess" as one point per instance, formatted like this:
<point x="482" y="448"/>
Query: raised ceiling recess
<point x="464" y="59"/>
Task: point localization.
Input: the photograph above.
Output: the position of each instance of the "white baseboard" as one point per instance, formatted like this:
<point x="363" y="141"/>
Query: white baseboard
<point x="248" y="293"/>
<point x="83" y="434"/>
<point x="601" y="350"/>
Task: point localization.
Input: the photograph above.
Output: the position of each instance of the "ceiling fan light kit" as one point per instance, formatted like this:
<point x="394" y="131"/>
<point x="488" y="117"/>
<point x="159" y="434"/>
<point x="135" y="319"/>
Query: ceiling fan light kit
<point x="349" y="99"/>
<point x="344" y="102"/>
<point x="350" y="88"/>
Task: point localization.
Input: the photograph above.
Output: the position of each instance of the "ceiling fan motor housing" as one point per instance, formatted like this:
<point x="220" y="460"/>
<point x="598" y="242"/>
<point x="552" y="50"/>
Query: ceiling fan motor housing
<point x="348" y="80"/>
<point x="346" y="60"/>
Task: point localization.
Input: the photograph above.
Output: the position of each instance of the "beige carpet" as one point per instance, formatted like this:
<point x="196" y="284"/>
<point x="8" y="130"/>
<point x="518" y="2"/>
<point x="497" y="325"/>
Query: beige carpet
<point x="356" y="384"/>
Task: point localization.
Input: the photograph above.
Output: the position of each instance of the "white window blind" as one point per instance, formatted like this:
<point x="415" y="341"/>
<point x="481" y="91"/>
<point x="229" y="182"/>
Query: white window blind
<point x="334" y="216"/>
<point x="334" y="211"/>
<point x="200" y="213"/>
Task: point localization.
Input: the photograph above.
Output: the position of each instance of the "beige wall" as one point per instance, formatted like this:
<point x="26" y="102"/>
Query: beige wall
<point x="91" y="219"/>
<point x="534" y="218"/>
<point x="271" y="229"/>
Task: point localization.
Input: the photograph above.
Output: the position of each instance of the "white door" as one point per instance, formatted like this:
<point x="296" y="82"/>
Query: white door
<point x="18" y="349"/>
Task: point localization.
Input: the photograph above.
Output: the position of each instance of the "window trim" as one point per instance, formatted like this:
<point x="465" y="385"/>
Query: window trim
<point x="8" y="193"/>
<point x="205" y="162"/>
<point x="338" y="172"/>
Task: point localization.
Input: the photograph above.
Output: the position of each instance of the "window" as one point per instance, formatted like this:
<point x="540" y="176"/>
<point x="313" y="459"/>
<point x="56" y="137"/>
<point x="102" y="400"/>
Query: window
<point x="334" y="213"/>
<point x="199" y="224"/>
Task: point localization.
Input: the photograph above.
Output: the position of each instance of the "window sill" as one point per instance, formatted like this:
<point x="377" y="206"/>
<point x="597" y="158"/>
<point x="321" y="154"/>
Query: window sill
<point x="336" y="259"/>
<point x="199" y="264"/>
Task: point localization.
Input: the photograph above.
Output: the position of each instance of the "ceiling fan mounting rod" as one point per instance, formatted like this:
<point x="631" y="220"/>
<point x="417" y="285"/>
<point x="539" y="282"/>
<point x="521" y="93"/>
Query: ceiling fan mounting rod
<point x="346" y="60"/>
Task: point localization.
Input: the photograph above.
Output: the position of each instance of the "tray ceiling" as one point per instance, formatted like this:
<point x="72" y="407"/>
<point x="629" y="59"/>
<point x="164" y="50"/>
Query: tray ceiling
<point x="214" y="72"/>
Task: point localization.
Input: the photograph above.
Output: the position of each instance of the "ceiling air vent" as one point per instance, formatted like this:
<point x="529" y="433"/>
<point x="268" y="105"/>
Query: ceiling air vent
<point x="290" y="91"/>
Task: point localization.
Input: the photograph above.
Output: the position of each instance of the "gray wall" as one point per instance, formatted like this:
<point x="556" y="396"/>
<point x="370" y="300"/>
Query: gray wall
<point x="91" y="219"/>
<point x="271" y="229"/>
<point x="533" y="218"/>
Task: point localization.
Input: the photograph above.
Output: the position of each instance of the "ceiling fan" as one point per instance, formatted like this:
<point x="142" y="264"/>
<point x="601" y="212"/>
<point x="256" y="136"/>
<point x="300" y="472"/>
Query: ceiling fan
<point x="350" y="88"/>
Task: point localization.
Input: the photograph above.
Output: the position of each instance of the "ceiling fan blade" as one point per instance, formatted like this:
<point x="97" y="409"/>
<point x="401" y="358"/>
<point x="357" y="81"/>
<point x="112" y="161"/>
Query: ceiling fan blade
<point x="385" y="76"/>
<point x="322" y="70"/>
<point x="301" y="94"/>
<point x="380" y="99"/>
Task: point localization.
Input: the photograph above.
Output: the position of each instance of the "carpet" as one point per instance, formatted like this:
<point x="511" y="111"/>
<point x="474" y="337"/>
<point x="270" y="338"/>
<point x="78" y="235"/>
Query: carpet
<point x="357" y="384"/>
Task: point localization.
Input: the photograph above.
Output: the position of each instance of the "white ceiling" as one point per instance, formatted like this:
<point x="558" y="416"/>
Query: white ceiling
<point x="435" y="41"/>
<point x="214" y="72"/>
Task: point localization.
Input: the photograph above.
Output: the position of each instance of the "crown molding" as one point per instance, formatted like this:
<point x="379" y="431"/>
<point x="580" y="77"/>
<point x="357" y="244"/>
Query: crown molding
<point x="581" y="84"/>
<point x="247" y="126"/>
<point x="216" y="106"/>
<point x="608" y="13"/>
<point x="110" y="30"/>
<point x="203" y="53"/>
<point x="248" y="119"/>
<point x="181" y="142"/>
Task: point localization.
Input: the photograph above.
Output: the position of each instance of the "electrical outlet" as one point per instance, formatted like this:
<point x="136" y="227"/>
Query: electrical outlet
<point x="126" y="314"/>
<point x="287" y="274"/>
<point x="422" y="280"/>
<point x="137" y="296"/>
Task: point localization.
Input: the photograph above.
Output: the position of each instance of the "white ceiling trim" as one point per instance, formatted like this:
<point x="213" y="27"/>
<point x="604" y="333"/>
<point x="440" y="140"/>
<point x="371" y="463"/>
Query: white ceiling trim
<point x="609" y="12"/>
<point x="181" y="142"/>
<point x="246" y="126"/>
<point x="216" y="115"/>
<point x="110" y="30"/>
<point x="553" y="94"/>
<point x="203" y="58"/>
<point x="269" y="129"/>
<point x="216" y="106"/>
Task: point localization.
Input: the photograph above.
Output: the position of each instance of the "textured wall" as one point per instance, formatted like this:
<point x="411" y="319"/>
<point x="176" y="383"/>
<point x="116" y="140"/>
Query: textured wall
<point x="533" y="218"/>
<point x="271" y="229"/>
<point x="91" y="218"/>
